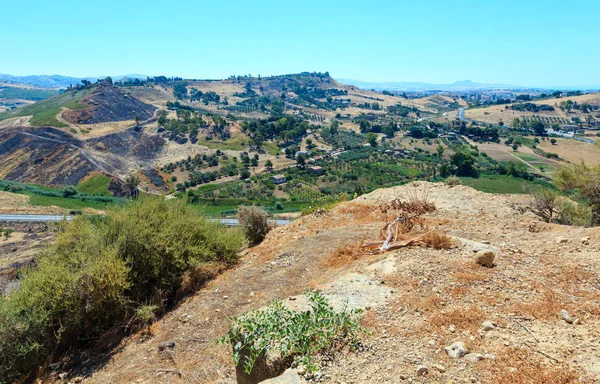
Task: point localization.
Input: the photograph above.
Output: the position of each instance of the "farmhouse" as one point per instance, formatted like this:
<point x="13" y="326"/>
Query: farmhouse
<point x="316" y="170"/>
<point x="278" y="179"/>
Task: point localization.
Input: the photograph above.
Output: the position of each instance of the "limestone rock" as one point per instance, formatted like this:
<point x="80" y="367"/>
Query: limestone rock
<point x="288" y="377"/>
<point x="485" y="258"/>
<point x="439" y="368"/>
<point x="566" y="316"/>
<point x="473" y="357"/>
<point x="456" y="350"/>
<point x="488" y="326"/>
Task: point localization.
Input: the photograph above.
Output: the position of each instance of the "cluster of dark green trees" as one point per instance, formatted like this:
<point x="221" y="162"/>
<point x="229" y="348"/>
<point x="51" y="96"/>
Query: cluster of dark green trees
<point x="286" y="129"/>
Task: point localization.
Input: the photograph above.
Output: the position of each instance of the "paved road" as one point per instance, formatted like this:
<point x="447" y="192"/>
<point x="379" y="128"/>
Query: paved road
<point x="47" y="218"/>
<point x="33" y="218"/>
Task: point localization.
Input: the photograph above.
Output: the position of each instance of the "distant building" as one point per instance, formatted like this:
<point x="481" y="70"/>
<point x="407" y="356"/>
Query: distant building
<point x="316" y="170"/>
<point x="278" y="179"/>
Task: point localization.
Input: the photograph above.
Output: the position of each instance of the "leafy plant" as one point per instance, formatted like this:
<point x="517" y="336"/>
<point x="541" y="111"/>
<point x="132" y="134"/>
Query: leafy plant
<point x="254" y="222"/>
<point x="297" y="335"/>
<point x="103" y="271"/>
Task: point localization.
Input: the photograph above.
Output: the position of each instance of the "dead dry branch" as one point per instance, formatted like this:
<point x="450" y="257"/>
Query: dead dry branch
<point x="401" y="217"/>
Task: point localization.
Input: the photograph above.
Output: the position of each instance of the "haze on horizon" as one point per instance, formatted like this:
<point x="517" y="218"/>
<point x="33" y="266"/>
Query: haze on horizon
<point x="533" y="44"/>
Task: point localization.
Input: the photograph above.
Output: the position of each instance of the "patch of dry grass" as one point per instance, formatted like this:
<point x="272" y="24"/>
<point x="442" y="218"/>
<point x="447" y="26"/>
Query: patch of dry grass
<point x="517" y="365"/>
<point x="462" y="318"/>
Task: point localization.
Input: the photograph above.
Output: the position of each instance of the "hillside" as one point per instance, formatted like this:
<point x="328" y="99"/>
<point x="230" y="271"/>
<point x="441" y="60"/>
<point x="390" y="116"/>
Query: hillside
<point x="417" y="300"/>
<point x="107" y="104"/>
<point x="495" y="113"/>
<point x="220" y="142"/>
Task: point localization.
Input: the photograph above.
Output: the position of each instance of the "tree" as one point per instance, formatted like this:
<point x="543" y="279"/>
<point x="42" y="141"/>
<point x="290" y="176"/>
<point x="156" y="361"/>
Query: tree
<point x="440" y="150"/>
<point x="364" y="126"/>
<point x="416" y="132"/>
<point x="464" y="163"/>
<point x="584" y="179"/>
<point x="269" y="164"/>
<point x="553" y="141"/>
<point x="244" y="174"/>
<point x="131" y="184"/>
<point x="515" y="147"/>
<point x="372" y="139"/>
<point x="69" y="191"/>
<point x="538" y="127"/>
<point x="388" y="130"/>
<point x="300" y="161"/>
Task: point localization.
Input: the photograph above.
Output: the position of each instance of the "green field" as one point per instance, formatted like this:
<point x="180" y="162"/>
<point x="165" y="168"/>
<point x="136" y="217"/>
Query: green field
<point x="26" y="93"/>
<point x="527" y="157"/>
<point x="235" y="143"/>
<point x="47" y="196"/>
<point x="501" y="184"/>
<point x="228" y="207"/>
<point x="71" y="203"/>
<point x="44" y="112"/>
<point x="95" y="185"/>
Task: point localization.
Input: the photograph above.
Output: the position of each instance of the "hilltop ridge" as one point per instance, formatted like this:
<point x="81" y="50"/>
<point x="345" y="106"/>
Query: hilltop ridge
<point x="418" y="300"/>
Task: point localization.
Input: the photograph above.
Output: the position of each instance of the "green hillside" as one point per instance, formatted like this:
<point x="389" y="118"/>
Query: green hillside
<point x="44" y="112"/>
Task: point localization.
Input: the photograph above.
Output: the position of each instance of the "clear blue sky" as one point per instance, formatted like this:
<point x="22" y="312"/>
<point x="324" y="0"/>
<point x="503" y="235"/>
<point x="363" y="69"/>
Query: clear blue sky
<point x="524" y="42"/>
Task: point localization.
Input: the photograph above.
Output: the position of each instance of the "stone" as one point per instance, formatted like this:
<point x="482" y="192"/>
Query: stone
<point x="439" y="368"/>
<point x="488" y="326"/>
<point x="422" y="370"/>
<point x="289" y="376"/>
<point x="585" y="240"/>
<point x="456" y="350"/>
<point x="562" y="240"/>
<point x="485" y="258"/>
<point x="169" y="344"/>
<point x="566" y="316"/>
<point x="473" y="357"/>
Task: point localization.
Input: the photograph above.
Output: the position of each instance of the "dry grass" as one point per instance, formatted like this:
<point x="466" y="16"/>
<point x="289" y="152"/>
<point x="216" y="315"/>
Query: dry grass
<point x="196" y="278"/>
<point x="517" y="365"/>
<point x="470" y="272"/>
<point x="438" y="240"/>
<point x="344" y="256"/>
<point x="462" y="318"/>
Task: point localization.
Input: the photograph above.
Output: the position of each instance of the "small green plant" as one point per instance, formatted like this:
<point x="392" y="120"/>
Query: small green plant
<point x="452" y="181"/>
<point x="279" y="206"/>
<point x="7" y="233"/>
<point x="296" y="335"/>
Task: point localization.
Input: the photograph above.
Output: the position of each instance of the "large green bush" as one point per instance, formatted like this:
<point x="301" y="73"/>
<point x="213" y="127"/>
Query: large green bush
<point x="100" y="271"/>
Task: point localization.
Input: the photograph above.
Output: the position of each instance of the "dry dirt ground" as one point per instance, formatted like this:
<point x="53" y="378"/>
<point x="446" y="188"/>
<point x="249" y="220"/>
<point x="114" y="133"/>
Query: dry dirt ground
<point x="417" y="300"/>
<point x="573" y="151"/>
<point x="19" y="204"/>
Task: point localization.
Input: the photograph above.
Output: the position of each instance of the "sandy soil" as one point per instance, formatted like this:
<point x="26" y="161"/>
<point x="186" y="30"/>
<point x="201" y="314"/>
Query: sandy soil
<point x="419" y="300"/>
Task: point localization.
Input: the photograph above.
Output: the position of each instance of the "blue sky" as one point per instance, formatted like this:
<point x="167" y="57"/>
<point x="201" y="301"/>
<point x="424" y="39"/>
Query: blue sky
<point x="525" y="42"/>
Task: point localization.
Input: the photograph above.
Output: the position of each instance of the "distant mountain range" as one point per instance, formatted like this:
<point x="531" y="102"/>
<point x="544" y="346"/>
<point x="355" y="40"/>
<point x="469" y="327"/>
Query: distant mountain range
<point x="57" y="81"/>
<point x="416" y="86"/>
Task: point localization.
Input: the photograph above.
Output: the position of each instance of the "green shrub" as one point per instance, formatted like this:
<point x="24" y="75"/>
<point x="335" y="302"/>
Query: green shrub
<point x="254" y="222"/>
<point x="452" y="181"/>
<point x="103" y="271"/>
<point x="298" y="335"/>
